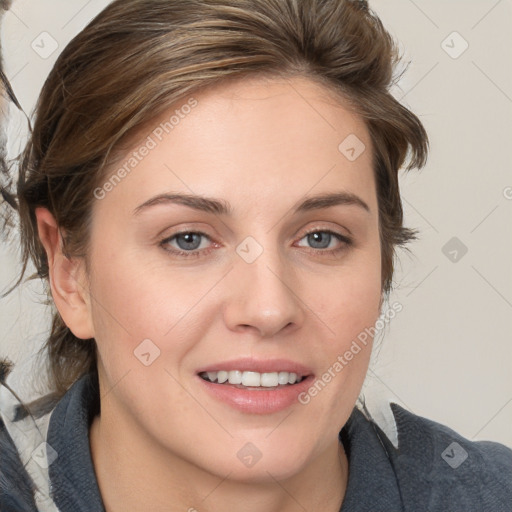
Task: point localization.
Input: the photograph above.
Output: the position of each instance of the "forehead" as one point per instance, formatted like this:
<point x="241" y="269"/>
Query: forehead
<point x="248" y="138"/>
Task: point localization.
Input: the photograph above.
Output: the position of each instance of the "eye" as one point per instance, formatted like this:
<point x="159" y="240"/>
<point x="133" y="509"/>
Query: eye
<point x="186" y="243"/>
<point x="196" y="244"/>
<point x="326" y="240"/>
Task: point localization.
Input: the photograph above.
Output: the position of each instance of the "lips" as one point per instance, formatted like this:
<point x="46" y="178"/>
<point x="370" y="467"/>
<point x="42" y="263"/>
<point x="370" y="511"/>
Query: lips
<point x="259" y="366"/>
<point x="256" y="398"/>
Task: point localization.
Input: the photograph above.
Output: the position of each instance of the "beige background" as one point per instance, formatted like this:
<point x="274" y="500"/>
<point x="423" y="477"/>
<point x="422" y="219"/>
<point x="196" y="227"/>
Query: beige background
<point x="448" y="354"/>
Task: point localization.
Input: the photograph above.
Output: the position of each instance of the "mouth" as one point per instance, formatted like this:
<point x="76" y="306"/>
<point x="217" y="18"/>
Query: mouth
<point x="255" y="386"/>
<point x="253" y="380"/>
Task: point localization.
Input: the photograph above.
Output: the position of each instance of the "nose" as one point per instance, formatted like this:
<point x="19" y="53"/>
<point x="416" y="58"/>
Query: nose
<point x="264" y="297"/>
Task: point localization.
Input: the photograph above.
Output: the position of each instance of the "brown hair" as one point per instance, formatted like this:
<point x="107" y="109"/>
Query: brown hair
<point x="138" y="57"/>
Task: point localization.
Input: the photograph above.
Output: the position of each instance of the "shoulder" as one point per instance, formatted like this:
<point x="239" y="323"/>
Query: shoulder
<point x="440" y="470"/>
<point x="16" y="487"/>
<point x="23" y="462"/>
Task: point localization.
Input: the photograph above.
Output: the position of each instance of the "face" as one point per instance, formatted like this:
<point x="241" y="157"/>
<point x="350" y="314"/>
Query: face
<point x="243" y="239"/>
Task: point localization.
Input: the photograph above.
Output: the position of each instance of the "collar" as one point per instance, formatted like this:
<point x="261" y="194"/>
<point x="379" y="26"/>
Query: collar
<point x="372" y="483"/>
<point x="73" y="481"/>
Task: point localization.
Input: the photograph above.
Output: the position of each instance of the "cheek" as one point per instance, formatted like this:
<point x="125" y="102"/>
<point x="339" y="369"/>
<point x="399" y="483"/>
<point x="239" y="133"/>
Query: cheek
<point x="127" y="294"/>
<point x="134" y="300"/>
<point x="350" y="301"/>
<point x="348" y="312"/>
<point x="348" y="309"/>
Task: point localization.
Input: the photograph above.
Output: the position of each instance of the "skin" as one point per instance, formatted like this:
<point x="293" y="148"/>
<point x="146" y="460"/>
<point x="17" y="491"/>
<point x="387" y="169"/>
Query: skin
<point x="161" y="443"/>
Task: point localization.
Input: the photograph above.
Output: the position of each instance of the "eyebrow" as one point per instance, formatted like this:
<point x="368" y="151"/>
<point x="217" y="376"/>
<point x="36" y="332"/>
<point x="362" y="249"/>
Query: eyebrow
<point x="221" y="207"/>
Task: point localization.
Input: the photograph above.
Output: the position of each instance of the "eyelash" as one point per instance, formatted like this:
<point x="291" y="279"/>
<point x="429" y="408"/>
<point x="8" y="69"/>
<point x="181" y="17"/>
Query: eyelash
<point x="196" y="253"/>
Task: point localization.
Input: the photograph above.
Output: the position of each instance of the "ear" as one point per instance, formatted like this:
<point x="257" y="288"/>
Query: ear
<point x="68" y="279"/>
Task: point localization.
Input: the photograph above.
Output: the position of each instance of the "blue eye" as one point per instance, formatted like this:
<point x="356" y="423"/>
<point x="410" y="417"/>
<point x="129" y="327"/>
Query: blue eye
<point x="190" y="243"/>
<point x="321" y="239"/>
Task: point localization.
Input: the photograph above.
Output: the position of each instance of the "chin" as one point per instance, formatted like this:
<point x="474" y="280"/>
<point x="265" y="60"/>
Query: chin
<point x="259" y="461"/>
<point x="263" y="472"/>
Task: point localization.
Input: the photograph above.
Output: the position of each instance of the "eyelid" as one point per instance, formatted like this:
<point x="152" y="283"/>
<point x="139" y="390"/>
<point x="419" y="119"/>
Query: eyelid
<point x="325" y="229"/>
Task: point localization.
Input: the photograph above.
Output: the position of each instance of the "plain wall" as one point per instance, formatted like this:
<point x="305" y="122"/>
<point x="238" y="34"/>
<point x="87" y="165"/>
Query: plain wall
<point x="447" y="354"/>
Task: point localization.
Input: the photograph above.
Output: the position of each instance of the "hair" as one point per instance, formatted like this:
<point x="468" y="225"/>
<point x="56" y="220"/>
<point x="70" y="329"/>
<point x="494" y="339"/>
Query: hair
<point x="139" y="57"/>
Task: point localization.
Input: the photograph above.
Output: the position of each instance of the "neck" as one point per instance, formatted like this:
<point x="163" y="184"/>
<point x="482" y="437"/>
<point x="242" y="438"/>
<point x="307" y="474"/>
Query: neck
<point x="135" y="474"/>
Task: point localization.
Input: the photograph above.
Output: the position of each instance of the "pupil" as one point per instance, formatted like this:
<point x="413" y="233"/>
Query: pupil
<point x="191" y="241"/>
<point x="319" y="240"/>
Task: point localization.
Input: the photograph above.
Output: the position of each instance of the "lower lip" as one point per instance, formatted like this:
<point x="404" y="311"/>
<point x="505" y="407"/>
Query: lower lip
<point x="260" y="400"/>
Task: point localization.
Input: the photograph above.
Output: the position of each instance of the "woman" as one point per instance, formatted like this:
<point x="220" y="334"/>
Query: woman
<point x="211" y="192"/>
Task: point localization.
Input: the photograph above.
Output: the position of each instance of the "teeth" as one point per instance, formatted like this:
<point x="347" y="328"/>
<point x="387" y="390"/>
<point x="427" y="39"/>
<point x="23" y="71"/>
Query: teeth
<point x="253" y="379"/>
<point x="221" y="377"/>
<point x="234" y="377"/>
<point x="269" y="380"/>
<point x="282" y="378"/>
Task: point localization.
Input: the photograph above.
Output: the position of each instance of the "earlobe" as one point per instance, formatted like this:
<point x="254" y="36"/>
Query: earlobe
<point x="67" y="278"/>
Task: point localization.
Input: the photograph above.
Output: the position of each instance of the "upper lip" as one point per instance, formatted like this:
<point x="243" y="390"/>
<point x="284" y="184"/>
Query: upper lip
<point x="258" y="365"/>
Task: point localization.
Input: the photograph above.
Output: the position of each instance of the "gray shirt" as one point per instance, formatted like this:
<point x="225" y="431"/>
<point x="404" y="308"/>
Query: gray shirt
<point x="433" y="469"/>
